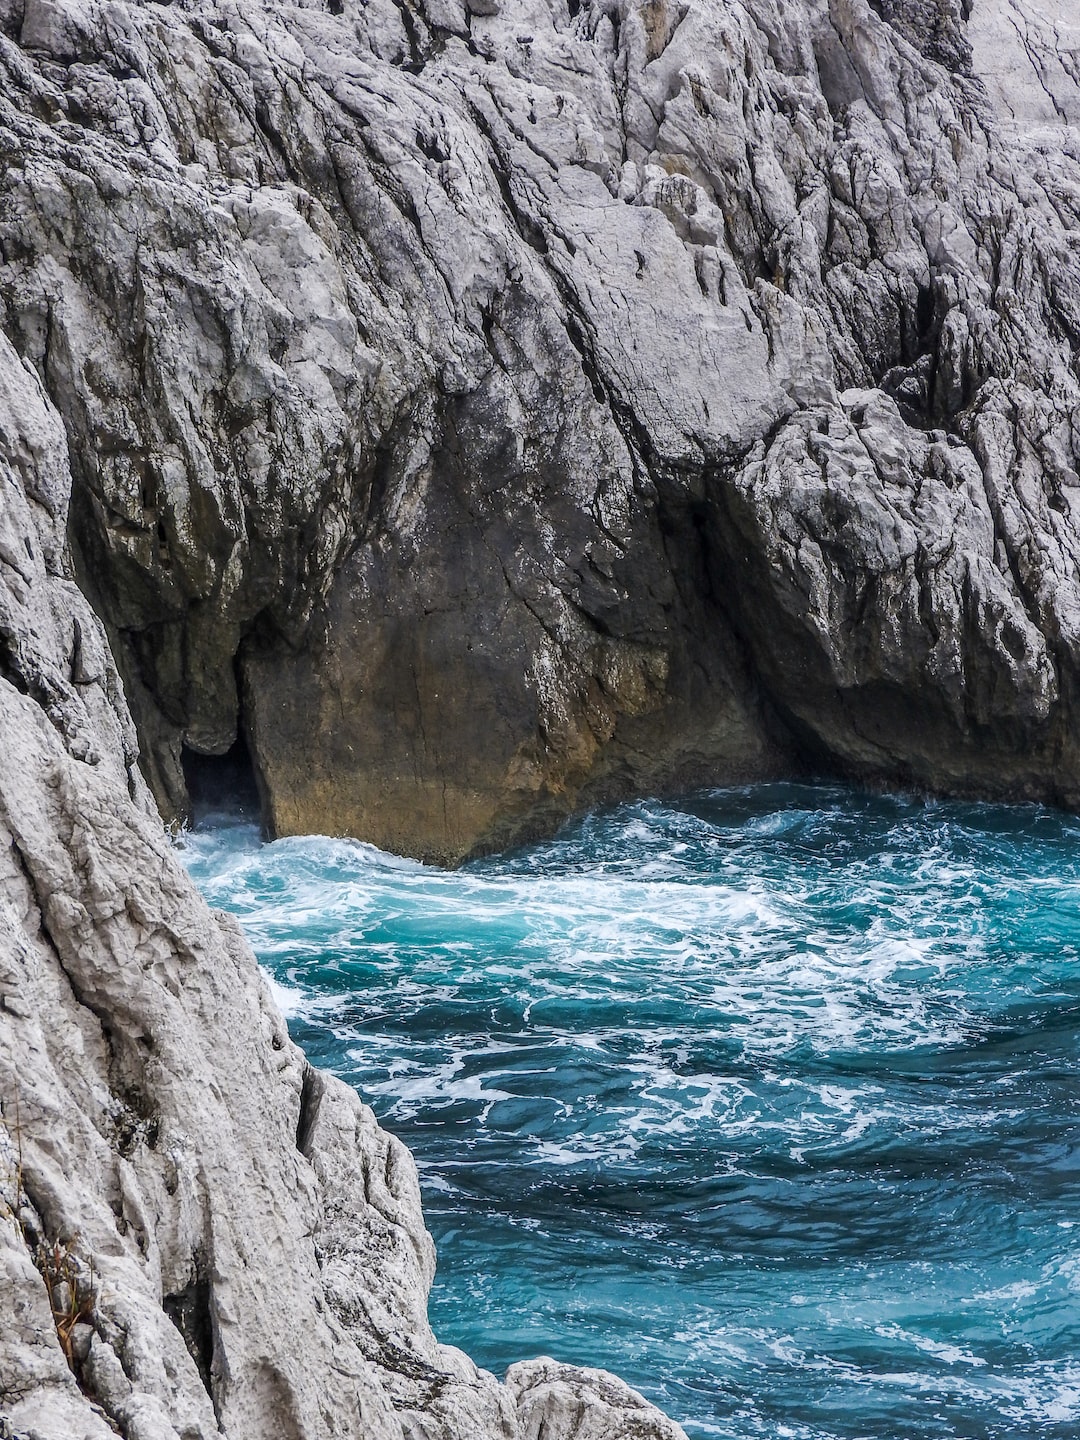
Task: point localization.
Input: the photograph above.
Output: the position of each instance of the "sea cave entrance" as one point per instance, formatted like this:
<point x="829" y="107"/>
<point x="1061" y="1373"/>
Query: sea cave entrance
<point x="222" y="785"/>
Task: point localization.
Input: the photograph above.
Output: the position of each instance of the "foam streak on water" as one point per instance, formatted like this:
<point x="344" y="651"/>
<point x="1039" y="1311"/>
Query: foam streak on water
<point x="769" y="1101"/>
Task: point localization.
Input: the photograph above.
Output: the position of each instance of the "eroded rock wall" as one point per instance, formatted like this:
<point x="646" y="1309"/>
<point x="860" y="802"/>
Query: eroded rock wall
<point x="488" y="409"/>
<point x="469" y="402"/>
<point x="200" y="1235"/>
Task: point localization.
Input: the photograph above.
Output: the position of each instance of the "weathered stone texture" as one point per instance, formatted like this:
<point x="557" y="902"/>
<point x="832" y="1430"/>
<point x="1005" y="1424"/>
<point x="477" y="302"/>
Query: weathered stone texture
<point x="242" y="1246"/>
<point x="487" y="409"/>
<point x="425" y="367"/>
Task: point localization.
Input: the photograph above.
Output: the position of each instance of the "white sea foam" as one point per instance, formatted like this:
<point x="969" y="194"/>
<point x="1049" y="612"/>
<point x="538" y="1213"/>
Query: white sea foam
<point x="754" y="1066"/>
<point x="941" y="1350"/>
<point x="1018" y="1290"/>
<point x="288" y="998"/>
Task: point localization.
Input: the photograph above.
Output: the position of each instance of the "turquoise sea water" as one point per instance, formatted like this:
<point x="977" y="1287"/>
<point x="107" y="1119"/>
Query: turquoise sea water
<point x="768" y="1100"/>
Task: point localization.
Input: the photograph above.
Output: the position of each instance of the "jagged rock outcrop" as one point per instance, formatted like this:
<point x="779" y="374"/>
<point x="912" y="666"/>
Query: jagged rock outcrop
<point x="486" y="407"/>
<point x="469" y="402"/>
<point x="200" y="1235"/>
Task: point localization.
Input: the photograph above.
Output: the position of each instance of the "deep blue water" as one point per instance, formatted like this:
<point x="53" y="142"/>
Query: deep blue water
<point x="768" y="1101"/>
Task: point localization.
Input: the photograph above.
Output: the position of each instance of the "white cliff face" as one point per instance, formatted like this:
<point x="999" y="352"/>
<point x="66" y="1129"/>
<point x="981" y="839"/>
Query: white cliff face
<point x="240" y="1246"/>
<point x="1028" y="57"/>
<point x="467" y="398"/>
<point x="529" y="403"/>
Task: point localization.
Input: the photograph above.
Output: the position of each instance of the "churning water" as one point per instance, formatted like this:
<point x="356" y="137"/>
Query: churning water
<point x="768" y="1101"/>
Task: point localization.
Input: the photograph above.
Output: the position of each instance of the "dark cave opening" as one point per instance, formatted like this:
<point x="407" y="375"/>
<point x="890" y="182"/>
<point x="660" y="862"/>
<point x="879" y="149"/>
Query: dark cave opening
<point x="222" y="785"/>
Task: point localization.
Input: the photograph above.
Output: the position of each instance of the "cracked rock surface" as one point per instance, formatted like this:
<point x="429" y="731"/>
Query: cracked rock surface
<point x="493" y="409"/>
<point x="200" y="1235"/>
<point x="485" y="409"/>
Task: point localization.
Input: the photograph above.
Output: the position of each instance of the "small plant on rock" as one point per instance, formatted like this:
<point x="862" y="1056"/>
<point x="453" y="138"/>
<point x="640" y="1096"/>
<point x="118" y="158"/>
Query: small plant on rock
<point x="69" y="1280"/>
<point x="72" y="1288"/>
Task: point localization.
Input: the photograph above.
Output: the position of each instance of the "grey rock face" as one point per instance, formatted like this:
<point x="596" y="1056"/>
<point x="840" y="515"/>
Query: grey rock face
<point x="1028" y="57"/>
<point x="488" y="409"/>
<point x="559" y="1402"/>
<point x="449" y="390"/>
<point x="199" y="1234"/>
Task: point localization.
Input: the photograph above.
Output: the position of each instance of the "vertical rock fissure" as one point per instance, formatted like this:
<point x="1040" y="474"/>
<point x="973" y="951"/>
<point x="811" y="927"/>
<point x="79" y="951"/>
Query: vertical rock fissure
<point x="311" y="1095"/>
<point x="190" y="1310"/>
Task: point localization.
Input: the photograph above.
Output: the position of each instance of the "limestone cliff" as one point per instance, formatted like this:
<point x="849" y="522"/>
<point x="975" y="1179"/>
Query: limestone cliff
<point x="484" y="407"/>
<point x="492" y="408"/>
<point x="199" y="1234"/>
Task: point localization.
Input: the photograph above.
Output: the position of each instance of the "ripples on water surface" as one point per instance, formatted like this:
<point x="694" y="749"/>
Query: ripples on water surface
<point x="768" y="1101"/>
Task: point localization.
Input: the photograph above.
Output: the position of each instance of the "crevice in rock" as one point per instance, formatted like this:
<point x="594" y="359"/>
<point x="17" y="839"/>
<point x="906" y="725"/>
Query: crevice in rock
<point x="125" y="1061"/>
<point x="589" y="368"/>
<point x="919" y="382"/>
<point x="10" y="670"/>
<point x="72" y="1288"/>
<point x="311" y="1094"/>
<point x="526" y="227"/>
<point x="634" y="432"/>
<point x="71" y="1285"/>
<point x="190" y="1310"/>
<point x="417" y="57"/>
<point x="135" y="1120"/>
